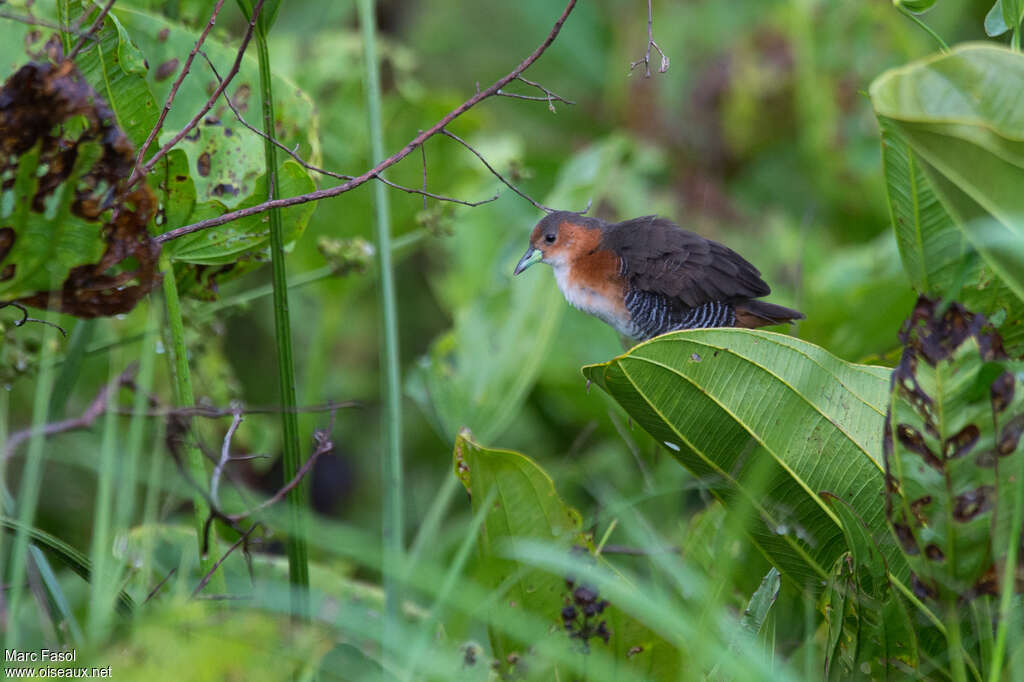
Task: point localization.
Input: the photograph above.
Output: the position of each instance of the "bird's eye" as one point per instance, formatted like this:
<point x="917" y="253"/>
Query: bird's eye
<point x="549" y="238"/>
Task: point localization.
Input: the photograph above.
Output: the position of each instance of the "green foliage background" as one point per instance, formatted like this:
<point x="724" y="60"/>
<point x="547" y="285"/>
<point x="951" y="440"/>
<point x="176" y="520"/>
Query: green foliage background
<point x="762" y="135"/>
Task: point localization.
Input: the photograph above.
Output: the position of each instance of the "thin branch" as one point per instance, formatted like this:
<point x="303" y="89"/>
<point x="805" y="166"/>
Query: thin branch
<point x="548" y="97"/>
<point x="495" y="173"/>
<point x="439" y="197"/>
<point x="92" y="30"/>
<point x="321" y="437"/>
<point x="244" y="539"/>
<point x="423" y="156"/>
<point x="209" y="102"/>
<point x="177" y="83"/>
<point x="310" y="167"/>
<point x="25" y="318"/>
<point x="84" y="421"/>
<point x="216" y="412"/>
<point x="225" y="455"/>
<point x="411" y="146"/>
<point x="43" y="23"/>
<point x="159" y="585"/>
<point x="646" y="59"/>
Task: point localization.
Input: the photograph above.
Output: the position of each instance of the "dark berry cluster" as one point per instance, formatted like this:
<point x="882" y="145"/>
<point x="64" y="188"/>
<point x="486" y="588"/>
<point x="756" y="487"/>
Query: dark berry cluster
<point x="581" y="613"/>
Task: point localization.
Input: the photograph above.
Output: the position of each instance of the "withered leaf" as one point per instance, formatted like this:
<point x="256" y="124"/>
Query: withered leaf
<point x="73" y="217"/>
<point x="952" y="450"/>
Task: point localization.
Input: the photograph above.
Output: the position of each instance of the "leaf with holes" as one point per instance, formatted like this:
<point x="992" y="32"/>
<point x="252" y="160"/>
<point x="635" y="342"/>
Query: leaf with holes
<point x="766" y="421"/>
<point x="219" y="167"/>
<point x="953" y="451"/>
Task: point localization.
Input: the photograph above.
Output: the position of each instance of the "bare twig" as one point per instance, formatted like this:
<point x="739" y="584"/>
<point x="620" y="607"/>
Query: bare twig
<point x="322" y="440"/>
<point x="423" y="156"/>
<point x="310" y="167"/>
<point x="159" y="585"/>
<point x="646" y="59"/>
<point x="225" y="455"/>
<point x="548" y="97"/>
<point x="217" y="412"/>
<point x="43" y="23"/>
<point x="439" y="197"/>
<point x="374" y="172"/>
<point x="495" y="173"/>
<point x="177" y="83"/>
<point x="96" y="408"/>
<point x="137" y="175"/>
<point x="243" y="540"/>
<point x="25" y="318"/>
<point x="92" y="30"/>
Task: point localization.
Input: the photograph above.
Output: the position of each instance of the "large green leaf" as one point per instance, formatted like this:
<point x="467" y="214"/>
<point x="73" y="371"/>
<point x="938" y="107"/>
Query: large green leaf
<point x="953" y="145"/>
<point x="767" y="422"/>
<point x="937" y="255"/>
<point x="525" y="506"/>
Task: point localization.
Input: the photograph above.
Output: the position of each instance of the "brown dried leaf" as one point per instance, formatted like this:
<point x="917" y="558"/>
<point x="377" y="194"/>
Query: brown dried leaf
<point x="51" y="111"/>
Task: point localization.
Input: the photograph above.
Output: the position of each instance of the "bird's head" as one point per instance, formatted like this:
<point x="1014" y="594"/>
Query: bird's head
<point x="558" y="237"/>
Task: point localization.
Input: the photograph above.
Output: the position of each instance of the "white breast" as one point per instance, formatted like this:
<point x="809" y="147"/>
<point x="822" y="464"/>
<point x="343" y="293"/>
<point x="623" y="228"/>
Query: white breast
<point x="589" y="301"/>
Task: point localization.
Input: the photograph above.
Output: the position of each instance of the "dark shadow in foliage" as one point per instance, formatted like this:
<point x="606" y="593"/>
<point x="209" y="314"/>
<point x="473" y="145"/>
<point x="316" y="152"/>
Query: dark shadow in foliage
<point x="60" y="143"/>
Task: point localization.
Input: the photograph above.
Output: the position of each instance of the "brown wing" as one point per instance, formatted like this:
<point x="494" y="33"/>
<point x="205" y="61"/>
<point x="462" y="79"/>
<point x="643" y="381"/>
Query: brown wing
<point x="661" y="257"/>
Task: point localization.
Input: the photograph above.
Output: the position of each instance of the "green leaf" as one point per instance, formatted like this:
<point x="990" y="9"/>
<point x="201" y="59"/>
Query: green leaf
<point x="1013" y="12"/>
<point x="915" y="6"/>
<point x="953" y="150"/>
<point x="68" y="555"/>
<point x="875" y="632"/>
<point x="761" y="602"/>
<point x="228" y="243"/>
<point x="995" y="24"/>
<point x="766" y="421"/>
<point x="116" y="69"/>
<point x="526" y="506"/>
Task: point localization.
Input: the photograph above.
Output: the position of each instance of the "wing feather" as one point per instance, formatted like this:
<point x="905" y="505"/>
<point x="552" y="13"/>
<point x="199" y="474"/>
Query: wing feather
<point x="660" y="257"/>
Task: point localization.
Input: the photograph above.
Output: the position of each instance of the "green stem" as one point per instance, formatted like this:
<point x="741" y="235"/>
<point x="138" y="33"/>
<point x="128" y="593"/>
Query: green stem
<point x="100" y="552"/>
<point x="31" y="481"/>
<point x="184" y="397"/>
<point x="391" y="467"/>
<point x="1006" y="595"/>
<point x="298" y="560"/>
<point x="927" y="29"/>
<point x="1015" y="40"/>
<point x="956" y="653"/>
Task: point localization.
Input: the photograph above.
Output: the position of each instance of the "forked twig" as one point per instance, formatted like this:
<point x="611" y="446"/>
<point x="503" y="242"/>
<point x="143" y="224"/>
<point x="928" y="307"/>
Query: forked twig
<point x="646" y="59"/>
<point x="374" y="172"/>
<point x="177" y="84"/>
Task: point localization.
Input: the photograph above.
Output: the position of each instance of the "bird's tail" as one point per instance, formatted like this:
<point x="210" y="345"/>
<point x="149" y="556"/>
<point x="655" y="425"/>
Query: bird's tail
<point x="752" y="314"/>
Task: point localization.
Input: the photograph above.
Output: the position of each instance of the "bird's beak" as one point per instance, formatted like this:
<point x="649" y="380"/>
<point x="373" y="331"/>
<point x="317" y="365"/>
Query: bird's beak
<point x="531" y="256"/>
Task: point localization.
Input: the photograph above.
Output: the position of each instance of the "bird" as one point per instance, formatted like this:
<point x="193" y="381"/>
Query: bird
<point x="648" y="276"/>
